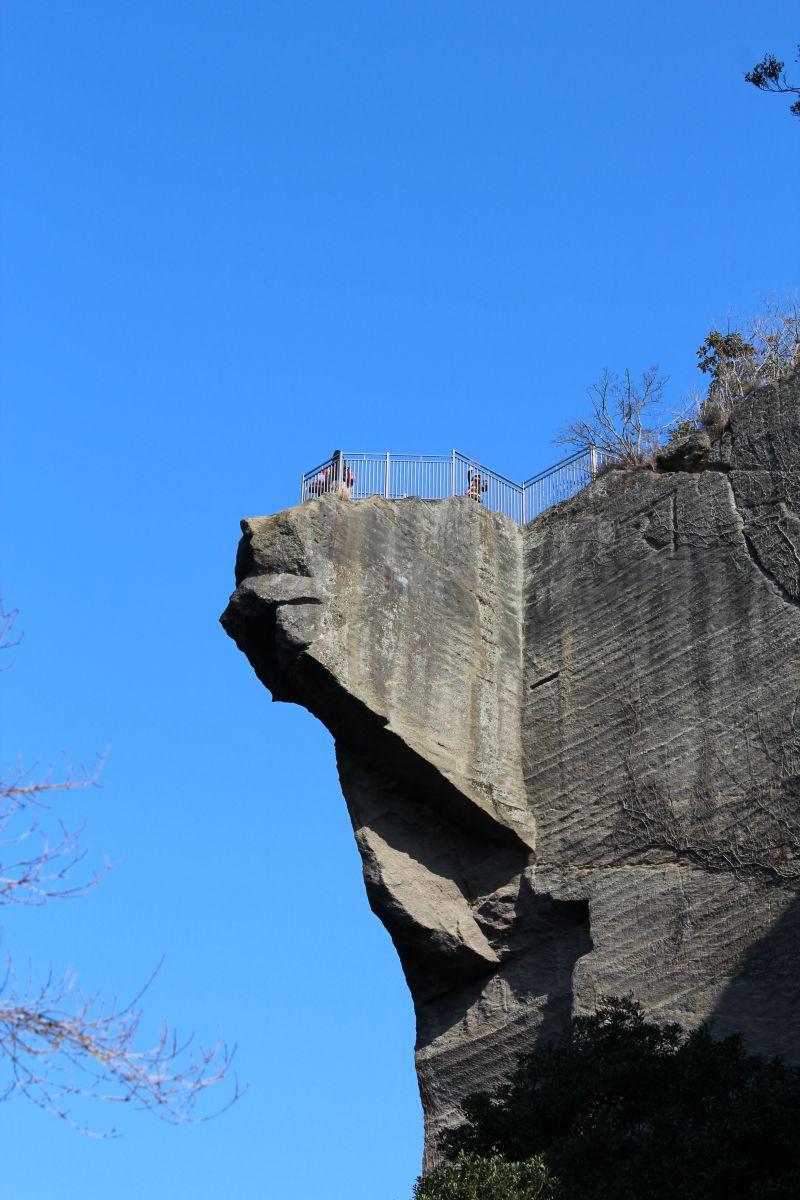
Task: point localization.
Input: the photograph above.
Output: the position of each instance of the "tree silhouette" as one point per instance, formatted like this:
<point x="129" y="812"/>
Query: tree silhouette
<point x="769" y="76"/>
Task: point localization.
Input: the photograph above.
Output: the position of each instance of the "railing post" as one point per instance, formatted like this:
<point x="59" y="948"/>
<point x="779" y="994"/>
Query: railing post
<point x="593" y="461"/>
<point x="453" y="473"/>
<point x="522" y="489"/>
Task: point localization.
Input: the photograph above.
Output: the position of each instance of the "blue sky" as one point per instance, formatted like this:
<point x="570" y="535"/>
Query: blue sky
<point x="234" y="236"/>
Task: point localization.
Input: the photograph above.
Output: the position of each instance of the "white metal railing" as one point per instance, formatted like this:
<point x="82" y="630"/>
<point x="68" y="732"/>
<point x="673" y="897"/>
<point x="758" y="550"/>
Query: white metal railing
<point x="563" y="480"/>
<point x="436" y="476"/>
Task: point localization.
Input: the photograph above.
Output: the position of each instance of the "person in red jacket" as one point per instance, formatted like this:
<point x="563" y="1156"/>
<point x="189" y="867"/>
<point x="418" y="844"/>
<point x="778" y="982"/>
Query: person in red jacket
<point x="476" y="485"/>
<point x="336" y="477"/>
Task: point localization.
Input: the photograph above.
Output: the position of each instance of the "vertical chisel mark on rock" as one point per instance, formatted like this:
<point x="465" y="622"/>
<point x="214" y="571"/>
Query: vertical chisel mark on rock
<point x="661" y="530"/>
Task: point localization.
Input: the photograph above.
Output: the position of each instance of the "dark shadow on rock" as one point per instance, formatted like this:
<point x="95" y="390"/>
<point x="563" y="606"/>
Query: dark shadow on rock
<point x="427" y="879"/>
<point x="762" y="1000"/>
<point x="548" y="937"/>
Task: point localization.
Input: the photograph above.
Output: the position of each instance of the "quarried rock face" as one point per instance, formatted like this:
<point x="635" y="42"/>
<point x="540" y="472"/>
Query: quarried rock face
<point x="570" y="752"/>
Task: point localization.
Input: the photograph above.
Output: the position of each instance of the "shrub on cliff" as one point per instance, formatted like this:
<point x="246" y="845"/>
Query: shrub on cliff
<point x="764" y="350"/>
<point x="471" y="1177"/>
<point x="620" y="1108"/>
<point x="628" y="422"/>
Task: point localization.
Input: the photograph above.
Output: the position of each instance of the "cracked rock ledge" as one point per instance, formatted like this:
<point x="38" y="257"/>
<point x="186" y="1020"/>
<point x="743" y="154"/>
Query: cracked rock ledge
<point x="570" y="751"/>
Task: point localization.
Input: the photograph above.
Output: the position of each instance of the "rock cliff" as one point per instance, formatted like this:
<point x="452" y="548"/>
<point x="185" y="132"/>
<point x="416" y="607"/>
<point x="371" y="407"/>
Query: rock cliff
<point x="570" y="751"/>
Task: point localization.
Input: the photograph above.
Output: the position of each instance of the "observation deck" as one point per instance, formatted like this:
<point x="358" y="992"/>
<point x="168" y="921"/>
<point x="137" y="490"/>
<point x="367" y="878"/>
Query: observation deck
<point x="359" y="474"/>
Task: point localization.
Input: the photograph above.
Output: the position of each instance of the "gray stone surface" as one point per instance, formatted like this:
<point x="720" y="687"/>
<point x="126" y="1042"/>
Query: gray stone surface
<point x="570" y="752"/>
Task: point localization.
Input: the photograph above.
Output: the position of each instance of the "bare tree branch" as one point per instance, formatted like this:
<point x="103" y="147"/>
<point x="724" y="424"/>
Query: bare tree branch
<point x="7" y="640"/>
<point x="45" y="871"/>
<point x="628" y="421"/>
<point x="58" y="1047"/>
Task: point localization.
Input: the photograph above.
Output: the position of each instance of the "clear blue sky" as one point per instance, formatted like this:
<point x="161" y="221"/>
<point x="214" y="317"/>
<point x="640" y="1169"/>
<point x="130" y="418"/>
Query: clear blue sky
<point x="234" y="236"/>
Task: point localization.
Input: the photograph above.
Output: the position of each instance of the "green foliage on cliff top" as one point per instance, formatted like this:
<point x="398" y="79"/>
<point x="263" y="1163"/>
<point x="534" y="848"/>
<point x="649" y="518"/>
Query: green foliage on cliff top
<point x="620" y="1108"/>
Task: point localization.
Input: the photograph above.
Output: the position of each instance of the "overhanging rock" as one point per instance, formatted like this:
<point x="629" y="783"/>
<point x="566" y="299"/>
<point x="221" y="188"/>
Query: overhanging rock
<point x="570" y="751"/>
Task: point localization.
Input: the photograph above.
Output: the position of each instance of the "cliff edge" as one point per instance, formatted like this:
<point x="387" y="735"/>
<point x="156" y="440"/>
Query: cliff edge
<point x="570" y="751"/>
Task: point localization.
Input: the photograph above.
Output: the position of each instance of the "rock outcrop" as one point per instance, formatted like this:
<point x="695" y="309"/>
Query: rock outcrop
<point x="570" y="751"/>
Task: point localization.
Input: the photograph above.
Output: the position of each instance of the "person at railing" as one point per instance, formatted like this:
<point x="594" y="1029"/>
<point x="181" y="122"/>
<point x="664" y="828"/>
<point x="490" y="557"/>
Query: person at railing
<point x="336" y="477"/>
<point x="476" y="485"/>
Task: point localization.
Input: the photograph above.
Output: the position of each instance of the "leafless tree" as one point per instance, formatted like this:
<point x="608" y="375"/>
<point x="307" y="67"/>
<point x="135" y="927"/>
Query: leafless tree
<point x="59" y="1047"/>
<point x="628" y="420"/>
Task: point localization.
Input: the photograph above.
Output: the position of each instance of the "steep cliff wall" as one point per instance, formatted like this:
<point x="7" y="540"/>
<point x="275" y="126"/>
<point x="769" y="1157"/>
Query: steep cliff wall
<point x="570" y="752"/>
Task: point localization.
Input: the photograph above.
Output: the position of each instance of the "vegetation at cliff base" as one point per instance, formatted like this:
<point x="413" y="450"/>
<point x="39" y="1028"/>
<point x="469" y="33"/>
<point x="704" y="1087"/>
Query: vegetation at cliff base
<point x="474" y="1178"/>
<point x="620" y="1108"/>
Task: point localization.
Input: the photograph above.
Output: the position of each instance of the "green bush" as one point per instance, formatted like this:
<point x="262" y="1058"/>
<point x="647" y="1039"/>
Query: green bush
<point x="623" y="1109"/>
<point x="681" y="431"/>
<point x="735" y="362"/>
<point x="473" y="1178"/>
